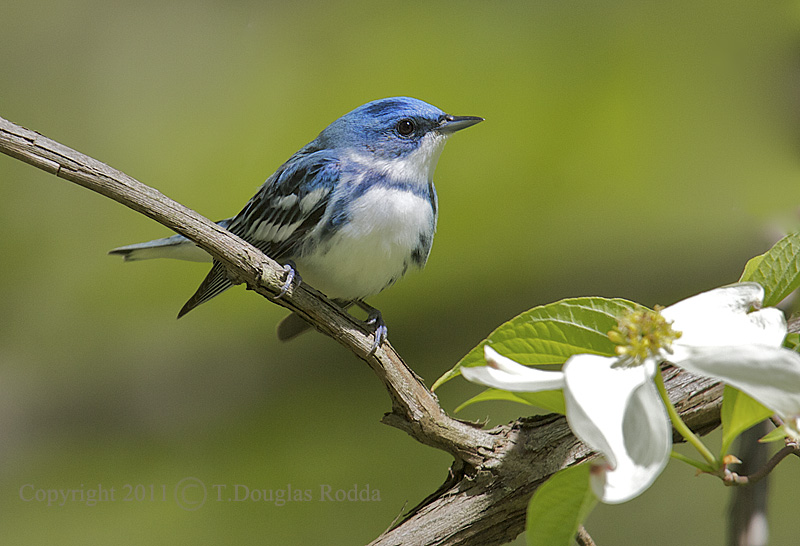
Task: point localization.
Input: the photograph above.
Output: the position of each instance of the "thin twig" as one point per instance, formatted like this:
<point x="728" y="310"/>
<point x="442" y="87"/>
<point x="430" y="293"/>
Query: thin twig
<point x="732" y="478"/>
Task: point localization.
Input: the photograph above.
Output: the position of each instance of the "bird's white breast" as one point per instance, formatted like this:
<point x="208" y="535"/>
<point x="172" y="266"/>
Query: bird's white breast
<point x="374" y="248"/>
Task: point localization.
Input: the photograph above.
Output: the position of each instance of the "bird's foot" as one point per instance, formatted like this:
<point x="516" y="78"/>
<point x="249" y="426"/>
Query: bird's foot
<point x="291" y="276"/>
<point x="375" y="319"/>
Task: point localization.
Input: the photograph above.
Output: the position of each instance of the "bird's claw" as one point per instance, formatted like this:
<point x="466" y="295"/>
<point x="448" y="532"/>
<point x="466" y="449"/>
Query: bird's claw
<point x="381" y="332"/>
<point x="374" y="318"/>
<point x="291" y="275"/>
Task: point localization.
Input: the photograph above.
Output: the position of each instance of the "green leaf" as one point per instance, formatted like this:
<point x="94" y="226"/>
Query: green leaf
<point x="739" y="412"/>
<point x="777" y="270"/>
<point x="776" y="435"/>
<point x="552" y="401"/>
<point x="549" y="334"/>
<point x="750" y="268"/>
<point x="792" y="341"/>
<point x="559" y="506"/>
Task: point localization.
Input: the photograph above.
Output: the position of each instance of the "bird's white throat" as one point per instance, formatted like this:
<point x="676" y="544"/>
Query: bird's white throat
<point x="417" y="166"/>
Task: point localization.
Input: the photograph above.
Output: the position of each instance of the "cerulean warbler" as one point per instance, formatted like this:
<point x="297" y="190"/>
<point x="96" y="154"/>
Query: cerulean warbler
<point x="352" y="211"/>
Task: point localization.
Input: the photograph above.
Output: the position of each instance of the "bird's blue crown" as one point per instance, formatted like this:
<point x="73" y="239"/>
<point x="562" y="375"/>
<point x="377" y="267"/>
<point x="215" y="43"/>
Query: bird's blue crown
<point x="386" y="127"/>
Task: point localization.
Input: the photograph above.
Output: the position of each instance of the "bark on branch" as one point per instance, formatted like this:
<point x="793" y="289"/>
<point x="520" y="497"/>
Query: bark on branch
<point x="494" y="473"/>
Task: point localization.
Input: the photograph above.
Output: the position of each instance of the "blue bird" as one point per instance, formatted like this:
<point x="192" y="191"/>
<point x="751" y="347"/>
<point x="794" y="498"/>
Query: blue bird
<point x="351" y="212"/>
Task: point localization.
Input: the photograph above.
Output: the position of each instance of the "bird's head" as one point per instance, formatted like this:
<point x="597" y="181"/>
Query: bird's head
<point x="395" y="129"/>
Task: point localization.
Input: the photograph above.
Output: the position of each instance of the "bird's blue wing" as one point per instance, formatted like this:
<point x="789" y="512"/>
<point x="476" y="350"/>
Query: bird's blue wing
<point x="289" y="205"/>
<point x="279" y="216"/>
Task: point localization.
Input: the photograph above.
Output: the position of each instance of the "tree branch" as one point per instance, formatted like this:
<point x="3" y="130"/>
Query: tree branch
<point x="583" y="537"/>
<point x="484" y="498"/>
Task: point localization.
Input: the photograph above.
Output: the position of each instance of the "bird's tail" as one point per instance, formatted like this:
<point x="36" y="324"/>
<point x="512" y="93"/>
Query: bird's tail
<point x="177" y="247"/>
<point x="215" y="283"/>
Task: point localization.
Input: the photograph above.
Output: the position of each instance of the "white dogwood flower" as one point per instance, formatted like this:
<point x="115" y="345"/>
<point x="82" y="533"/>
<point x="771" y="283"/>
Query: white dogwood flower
<point x="612" y="403"/>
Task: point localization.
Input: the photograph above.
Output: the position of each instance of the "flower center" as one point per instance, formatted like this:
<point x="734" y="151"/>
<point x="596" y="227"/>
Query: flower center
<point x="642" y="334"/>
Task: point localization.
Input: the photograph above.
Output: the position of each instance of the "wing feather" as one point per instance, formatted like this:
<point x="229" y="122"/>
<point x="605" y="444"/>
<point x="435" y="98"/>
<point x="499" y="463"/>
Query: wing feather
<point x="290" y="225"/>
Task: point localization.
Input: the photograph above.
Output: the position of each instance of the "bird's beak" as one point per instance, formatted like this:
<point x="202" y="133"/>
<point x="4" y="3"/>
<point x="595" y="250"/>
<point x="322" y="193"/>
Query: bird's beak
<point x="451" y="124"/>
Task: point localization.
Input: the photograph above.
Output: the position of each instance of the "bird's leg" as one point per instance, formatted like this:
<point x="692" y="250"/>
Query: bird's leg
<point x="291" y="276"/>
<point x="374" y="318"/>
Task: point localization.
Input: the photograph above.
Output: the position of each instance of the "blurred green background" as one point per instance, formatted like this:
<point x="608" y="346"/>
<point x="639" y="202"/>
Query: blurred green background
<point x="635" y="149"/>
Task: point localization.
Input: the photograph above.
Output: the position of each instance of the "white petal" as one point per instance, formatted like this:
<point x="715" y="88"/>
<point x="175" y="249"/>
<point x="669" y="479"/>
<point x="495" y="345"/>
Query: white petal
<point x="721" y="317"/>
<point x="737" y="298"/>
<point x="496" y="360"/>
<point x="504" y="373"/>
<point x="792" y="426"/>
<point x="768" y="374"/>
<point x="618" y="412"/>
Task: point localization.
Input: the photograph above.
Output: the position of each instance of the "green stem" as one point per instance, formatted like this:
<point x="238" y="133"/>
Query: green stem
<point x="681" y="427"/>
<point x="703" y="467"/>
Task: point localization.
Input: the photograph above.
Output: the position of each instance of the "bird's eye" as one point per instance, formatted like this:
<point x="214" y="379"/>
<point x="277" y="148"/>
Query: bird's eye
<point x="405" y="127"/>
